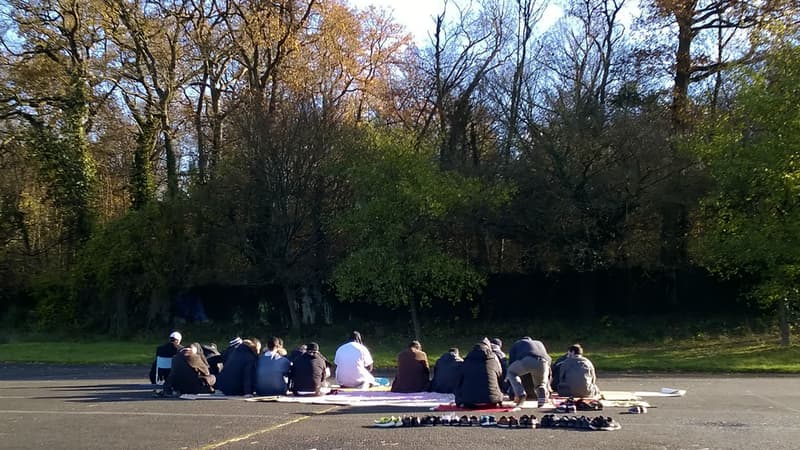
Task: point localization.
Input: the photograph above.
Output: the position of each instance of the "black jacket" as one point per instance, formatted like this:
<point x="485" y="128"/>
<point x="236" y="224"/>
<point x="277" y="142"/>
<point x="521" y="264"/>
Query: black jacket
<point x="446" y="372"/>
<point x="308" y="373"/>
<point x="167" y="350"/>
<point x="238" y="373"/>
<point x="480" y="378"/>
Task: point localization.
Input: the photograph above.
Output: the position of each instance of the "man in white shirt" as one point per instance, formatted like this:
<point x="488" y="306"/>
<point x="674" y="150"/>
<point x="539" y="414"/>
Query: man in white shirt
<point x="354" y="364"/>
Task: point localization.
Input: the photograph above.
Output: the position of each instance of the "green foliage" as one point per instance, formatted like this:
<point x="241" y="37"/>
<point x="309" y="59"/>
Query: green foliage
<point x="750" y="224"/>
<point x="398" y="227"/>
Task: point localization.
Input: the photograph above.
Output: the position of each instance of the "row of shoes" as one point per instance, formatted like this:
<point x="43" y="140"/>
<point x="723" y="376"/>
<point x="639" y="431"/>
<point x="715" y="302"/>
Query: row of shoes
<point x="579" y="422"/>
<point x="524" y="421"/>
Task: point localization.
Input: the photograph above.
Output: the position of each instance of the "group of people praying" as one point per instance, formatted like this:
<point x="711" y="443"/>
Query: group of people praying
<point x="485" y="376"/>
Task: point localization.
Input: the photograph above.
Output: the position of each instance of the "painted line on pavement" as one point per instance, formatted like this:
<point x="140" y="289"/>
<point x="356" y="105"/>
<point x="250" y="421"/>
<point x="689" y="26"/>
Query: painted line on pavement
<point x="266" y="430"/>
<point x="124" y="413"/>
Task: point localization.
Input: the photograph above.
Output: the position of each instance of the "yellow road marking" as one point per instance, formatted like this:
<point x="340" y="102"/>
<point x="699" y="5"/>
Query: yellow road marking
<point x="266" y="430"/>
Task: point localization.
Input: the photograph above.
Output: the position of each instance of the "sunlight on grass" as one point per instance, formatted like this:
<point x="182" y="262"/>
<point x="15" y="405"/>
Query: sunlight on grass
<point x="748" y="354"/>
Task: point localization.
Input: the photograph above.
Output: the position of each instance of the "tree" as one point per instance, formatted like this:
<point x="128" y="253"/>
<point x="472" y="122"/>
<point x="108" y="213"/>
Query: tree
<point x="51" y="83"/>
<point x="397" y="229"/>
<point x="750" y="223"/>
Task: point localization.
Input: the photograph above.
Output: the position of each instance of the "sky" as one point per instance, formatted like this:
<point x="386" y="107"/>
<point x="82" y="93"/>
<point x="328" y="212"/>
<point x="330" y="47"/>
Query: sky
<point x="416" y="14"/>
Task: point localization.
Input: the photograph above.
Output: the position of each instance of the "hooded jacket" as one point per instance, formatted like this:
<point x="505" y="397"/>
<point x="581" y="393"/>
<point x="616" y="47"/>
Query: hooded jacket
<point x="190" y="374"/>
<point x="308" y="372"/>
<point x="480" y="378"/>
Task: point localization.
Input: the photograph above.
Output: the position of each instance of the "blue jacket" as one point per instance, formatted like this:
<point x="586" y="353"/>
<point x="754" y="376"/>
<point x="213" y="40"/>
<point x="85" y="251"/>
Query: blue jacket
<point x="272" y="372"/>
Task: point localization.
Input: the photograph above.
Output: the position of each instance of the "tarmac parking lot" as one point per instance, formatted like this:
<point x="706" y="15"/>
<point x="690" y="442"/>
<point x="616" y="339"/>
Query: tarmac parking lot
<point x="84" y="407"/>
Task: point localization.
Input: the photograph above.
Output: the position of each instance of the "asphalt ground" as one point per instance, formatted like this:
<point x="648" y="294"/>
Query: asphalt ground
<point x="57" y="407"/>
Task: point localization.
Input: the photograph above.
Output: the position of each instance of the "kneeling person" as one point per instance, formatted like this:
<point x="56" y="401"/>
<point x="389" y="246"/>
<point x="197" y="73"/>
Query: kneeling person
<point x="577" y="376"/>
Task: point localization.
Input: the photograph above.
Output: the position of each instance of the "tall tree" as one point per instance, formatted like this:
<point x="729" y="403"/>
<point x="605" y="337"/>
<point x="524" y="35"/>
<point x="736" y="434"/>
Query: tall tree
<point x="750" y="223"/>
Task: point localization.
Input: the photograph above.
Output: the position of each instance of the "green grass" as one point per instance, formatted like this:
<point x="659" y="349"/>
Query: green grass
<point x="749" y="353"/>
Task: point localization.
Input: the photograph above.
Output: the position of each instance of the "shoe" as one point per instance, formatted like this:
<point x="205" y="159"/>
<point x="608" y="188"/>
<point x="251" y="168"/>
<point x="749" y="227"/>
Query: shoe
<point x="473" y="421"/>
<point x="502" y="422"/>
<point x="583" y="423"/>
<point x="407" y="421"/>
<point x="589" y="405"/>
<point x="415" y="422"/>
<point x="463" y="421"/>
<point x="638" y="409"/>
<point x="525" y="421"/>
<point x="604" y="423"/>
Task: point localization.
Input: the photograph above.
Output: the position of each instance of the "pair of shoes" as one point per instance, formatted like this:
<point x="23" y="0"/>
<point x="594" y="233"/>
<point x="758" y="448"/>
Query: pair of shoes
<point x="427" y="421"/>
<point x="527" y="421"/>
<point x="488" y="421"/>
<point x="508" y="422"/>
<point x="604" y="423"/>
<point x="583" y="423"/>
<point x="566" y="408"/>
<point x="548" y="421"/>
<point x="388" y="422"/>
<point x="589" y="405"/>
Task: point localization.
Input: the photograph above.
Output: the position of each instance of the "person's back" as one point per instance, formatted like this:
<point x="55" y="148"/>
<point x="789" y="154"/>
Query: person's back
<point x="238" y="372"/>
<point x="527" y="347"/>
<point x="577" y="375"/>
<point x="480" y="379"/>
<point x="413" y="372"/>
<point x="446" y="372"/>
<point x="308" y="371"/>
<point x="272" y="370"/>
<point x="353" y="364"/>
<point x="190" y="373"/>
<point x="232" y="346"/>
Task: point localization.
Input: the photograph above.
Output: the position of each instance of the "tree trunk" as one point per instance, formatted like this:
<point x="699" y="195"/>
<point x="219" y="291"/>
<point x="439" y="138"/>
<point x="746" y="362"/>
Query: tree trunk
<point x="291" y="302"/>
<point x="683" y="66"/>
<point x="783" y="323"/>
<point x="412" y="306"/>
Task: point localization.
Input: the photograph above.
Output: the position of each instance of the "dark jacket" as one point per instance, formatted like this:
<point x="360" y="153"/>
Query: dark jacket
<point x="190" y="374"/>
<point x="308" y="372"/>
<point x="446" y="372"/>
<point x="413" y="372"/>
<point x="167" y="350"/>
<point x="272" y="372"/>
<point x="480" y="378"/>
<point x="238" y="372"/>
<point x="527" y="347"/>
